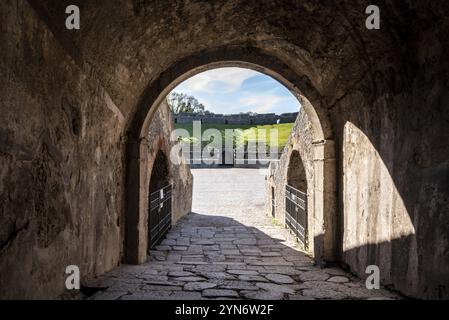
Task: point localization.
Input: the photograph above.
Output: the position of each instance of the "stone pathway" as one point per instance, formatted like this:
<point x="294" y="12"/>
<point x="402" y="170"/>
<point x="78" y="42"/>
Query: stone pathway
<point x="228" y="249"/>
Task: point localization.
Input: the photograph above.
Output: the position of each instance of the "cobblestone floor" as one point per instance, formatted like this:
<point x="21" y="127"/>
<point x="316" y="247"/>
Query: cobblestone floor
<point x="228" y="249"/>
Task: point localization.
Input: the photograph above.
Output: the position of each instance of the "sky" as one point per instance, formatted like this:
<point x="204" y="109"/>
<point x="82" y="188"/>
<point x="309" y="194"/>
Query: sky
<point x="235" y="90"/>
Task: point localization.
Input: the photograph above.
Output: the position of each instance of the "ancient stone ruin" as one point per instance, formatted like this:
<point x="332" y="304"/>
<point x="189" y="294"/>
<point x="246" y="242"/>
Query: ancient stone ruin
<point x="83" y="123"/>
<point x="246" y="119"/>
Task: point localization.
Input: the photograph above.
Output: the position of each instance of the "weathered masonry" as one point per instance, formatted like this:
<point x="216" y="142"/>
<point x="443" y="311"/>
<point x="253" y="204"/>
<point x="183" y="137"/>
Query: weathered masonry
<point x="76" y="108"/>
<point x="257" y="119"/>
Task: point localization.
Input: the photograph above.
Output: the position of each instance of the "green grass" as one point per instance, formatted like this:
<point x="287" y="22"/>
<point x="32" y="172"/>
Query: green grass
<point x="246" y="133"/>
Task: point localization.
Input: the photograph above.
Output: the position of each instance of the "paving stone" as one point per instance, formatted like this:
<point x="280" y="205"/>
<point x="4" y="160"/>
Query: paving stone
<point x="180" y="274"/>
<point x="179" y="248"/>
<point x="226" y="246"/>
<point x="321" y="284"/>
<point x="245" y="241"/>
<point x="274" y="287"/>
<point x="244" y="272"/>
<point x="218" y="275"/>
<point x="299" y="297"/>
<point x="152" y="277"/>
<point x="364" y="293"/>
<point x="306" y="268"/>
<point x="123" y="286"/>
<point x="170" y="282"/>
<point x="185" y="295"/>
<point x="215" y="258"/>
<point x="229" y="264"/>
<point x="313" y="276"/>
<point x="234" y="259"/>
<point x="300" y="264"/>
<point x="168" y="242"/>
<point x="262" y="295"/>
<point x="163" y="248"/>
<point x="237" y="285"/>
<point x="220" y="293"/>
<point x="323" y="293"/>
<point x="214" y="247"/>
<point x="335" y="271"/>
<point x="270" y="263"/>
<point x="173" y="257"/>
<point x="251" y="253"/>
<point x="211" y="268"/>
<point x="151" y="287"/>
<point x="338" y="279"/>
<point x="250" y="250"/>
<point x="157" y="253"/>
<point x="196" y="286"/>
<point x="252" y="278"/>
<point x="191" y="279"/>
<point x="279" y="278"/>
<point x="191" y="262"/>
<point x="230" y="252"/>
<point x="158" y="258"/>
<point x="270" y="254"/>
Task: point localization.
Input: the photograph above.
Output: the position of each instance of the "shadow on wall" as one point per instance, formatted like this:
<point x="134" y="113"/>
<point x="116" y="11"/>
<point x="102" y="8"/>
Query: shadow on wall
<point x="380" y="224"/>
<point x="160" y="175"/>
<point x="296" y="175"/>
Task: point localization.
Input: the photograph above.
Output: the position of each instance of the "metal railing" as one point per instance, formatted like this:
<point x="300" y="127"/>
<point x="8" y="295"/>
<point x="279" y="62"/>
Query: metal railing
<point x="296" y="213"/>
<point x="230" y="157"/>
<point x="160" y="212"/>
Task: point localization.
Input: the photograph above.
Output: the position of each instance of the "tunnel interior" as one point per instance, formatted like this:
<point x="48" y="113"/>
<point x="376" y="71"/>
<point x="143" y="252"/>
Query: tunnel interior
<point x="74" y="127"/>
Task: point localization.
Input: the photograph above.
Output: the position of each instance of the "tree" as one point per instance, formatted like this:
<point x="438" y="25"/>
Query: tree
<point x="181" y="102"/>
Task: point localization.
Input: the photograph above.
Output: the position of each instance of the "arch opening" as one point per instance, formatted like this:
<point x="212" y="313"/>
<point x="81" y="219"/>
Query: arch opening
<point x="296" y="199"/>
<point x="159" y="200"/>
<point x="159" y="173"/>
<point x="250" y="58"/>
<point x="296" y="174"/>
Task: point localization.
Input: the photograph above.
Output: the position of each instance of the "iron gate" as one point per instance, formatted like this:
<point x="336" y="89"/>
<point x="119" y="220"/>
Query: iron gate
<point x="159" y="214"/>
<point x="296" y="212"/>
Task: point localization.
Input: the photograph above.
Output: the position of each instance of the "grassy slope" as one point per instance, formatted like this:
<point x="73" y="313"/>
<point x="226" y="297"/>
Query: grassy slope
<point x="244" y="133"/>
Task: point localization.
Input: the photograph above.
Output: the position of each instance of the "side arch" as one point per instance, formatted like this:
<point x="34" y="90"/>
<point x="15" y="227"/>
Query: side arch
<point x="296" y="172"/>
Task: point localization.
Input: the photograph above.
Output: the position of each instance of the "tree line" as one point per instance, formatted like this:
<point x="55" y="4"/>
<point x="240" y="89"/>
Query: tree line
<point x="181" y="102"/>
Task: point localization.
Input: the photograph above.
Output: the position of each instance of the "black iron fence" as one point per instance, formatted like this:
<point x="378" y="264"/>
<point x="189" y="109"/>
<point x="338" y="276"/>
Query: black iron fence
<point x="160" y="212"/>
<point x="296" y="213"/>
<point x="230" y="157"/>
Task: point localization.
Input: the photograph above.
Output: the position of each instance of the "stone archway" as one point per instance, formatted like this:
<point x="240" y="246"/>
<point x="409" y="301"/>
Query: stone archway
<point x="160" y="175"/>
<point x="245" y="57"/>
<point x="159" y="180"/>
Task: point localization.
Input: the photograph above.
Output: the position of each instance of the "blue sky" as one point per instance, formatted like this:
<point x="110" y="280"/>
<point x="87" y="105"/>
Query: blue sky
<point x="235" y="90"/>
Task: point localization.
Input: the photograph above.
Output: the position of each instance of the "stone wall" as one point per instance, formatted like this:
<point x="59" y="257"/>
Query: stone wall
<point x="71" y="99"/>
<point x="62" y="161"/>
<point x="300" y="140"/>
<point x="236" y="119"/>
<point x="180" y="176"/>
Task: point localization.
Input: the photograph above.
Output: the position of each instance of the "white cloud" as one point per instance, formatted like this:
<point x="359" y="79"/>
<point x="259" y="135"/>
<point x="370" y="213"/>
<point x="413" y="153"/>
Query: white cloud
<point x="262" y="103"/>
<point x="224" y="80"/>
